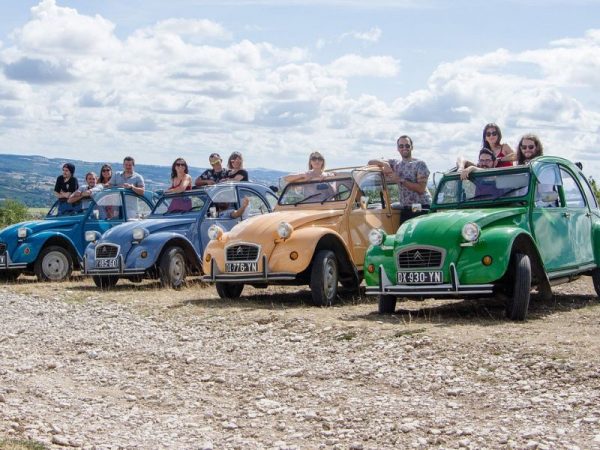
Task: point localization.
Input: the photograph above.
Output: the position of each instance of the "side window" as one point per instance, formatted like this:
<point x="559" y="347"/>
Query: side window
<point x="256" y="205"/>
<point x="573" y="195"/>
<point x="371" y="186"/>
<point x="136" y="207"/>
<point x="546" y="190"/>
<point x="271" y="199"/>
<point x="393" y="193"/>
<point x="108" y="207"/>
<point x="591" y="198"/>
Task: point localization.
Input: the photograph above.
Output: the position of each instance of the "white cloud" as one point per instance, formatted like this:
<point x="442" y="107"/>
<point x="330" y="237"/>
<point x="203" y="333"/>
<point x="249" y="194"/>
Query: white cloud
<point x="372" y="35"/>
<point x="359" y="66"/>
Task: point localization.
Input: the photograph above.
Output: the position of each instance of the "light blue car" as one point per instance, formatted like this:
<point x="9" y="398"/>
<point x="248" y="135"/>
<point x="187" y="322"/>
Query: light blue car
<point x="51" y="248"/>
<point x="169" y="244"/>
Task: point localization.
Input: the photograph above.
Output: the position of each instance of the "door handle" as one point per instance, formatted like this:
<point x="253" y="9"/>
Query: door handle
<point x="588" y="214"/>
<point x="566" y="214"/>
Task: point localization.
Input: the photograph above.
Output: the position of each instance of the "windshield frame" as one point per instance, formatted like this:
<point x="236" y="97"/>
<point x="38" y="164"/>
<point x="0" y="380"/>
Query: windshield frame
<point x="316" y="198"/>
<point x="179" y="195"/>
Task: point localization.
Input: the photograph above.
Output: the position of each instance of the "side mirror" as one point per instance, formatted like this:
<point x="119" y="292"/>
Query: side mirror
<point x="364" y="201"/>
<point x="96" y="214"/>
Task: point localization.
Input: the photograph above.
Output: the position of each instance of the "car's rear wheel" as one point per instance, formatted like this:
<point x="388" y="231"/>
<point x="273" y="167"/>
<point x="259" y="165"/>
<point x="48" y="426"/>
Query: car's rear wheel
<point x="172" y="268"/>
<point x="596" y="280"/>
<point x="105" y="282"/>
<point x="230" y="290"/>
<point x="54" y="263"/>
<point x="387" y="304"/>
<point x="324" y="278"/>
<point x="518" y="303"/>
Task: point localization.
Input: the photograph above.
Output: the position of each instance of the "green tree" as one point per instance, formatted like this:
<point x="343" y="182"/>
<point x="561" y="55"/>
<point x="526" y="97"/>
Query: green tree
<point x="12" y="211"/>
<point x="595" y="188"/>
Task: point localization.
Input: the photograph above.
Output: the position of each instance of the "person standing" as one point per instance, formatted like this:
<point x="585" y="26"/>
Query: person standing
<point x="180" y="179"/>
<point x="316" y="170"/>
<point x="105" y="175"/>
<point x="65" y="185"/>
<point x="529" y="147"/>
<point x="214" y="175"/>
<point x="128" y="178"/>
<point x="492" y="137"/>
<point x="411" y="174"/>
<point x="235" y="164"/>
<point x="84" y="193"/>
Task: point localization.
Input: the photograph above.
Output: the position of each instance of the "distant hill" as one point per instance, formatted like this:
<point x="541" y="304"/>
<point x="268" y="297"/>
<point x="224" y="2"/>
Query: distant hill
<point x="30" y="179"/>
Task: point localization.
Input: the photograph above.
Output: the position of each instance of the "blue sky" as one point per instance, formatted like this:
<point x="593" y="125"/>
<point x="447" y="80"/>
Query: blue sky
<point x="97" y="80"/>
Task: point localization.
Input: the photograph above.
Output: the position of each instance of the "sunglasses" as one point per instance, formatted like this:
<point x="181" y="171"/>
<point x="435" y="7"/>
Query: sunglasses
<point x="527" y="147"/>
<point x="316" y="158"/>
<point x="487" y="160"/>
<point x="491" y="133"/>
<point x="180" y="164"/>
<point x="106" y="170"/>
<point x="401" y="146"/>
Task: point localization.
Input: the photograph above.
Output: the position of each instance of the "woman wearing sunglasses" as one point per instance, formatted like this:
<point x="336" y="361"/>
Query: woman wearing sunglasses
<point x="236" y="172"/>
<point x="105" y="175"/>
<point x="316" y="170"/>
<point x="492" y="137"/>
<point x="180" y="179"/>
<point x="529" y="147"/>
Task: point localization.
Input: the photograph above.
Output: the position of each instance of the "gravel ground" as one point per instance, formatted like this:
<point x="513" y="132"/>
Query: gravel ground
<point x="144" y="368"/>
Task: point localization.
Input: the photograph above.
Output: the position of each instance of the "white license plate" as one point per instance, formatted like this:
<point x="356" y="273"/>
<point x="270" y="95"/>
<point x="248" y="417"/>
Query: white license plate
<point x="107" y="263"/>
<point x="435" y="277"/>
<point x="241" y="267"/>
<point x="3" y="259"/>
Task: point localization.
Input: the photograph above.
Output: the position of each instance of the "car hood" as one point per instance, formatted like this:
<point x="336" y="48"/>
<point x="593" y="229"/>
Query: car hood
<point x="446" y="226"/>
<point x="265" y="225"/>
<point x="152" y="225"/>
<point x="64" y="224"/>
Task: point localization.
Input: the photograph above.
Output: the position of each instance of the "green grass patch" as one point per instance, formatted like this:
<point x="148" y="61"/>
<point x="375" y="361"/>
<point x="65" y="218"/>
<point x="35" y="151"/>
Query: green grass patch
<point x="21" y="444"/>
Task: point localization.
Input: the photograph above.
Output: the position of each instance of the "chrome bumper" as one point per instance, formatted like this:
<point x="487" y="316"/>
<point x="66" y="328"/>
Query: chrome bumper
<point x="264" y="277"/>
<point x="452" y="289"/>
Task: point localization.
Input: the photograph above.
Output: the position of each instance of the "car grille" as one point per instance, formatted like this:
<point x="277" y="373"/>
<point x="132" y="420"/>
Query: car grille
<point x="419" y="258"/>
<point x="2" y="248"/>
<point x="242" y="252"/>
<point x="107" y="251"/>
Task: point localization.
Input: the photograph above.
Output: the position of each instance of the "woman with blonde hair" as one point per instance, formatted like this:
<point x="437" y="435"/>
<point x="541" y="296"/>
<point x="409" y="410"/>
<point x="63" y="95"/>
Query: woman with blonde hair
<point x="316" y="170"/>
<point x="236" y="172"/>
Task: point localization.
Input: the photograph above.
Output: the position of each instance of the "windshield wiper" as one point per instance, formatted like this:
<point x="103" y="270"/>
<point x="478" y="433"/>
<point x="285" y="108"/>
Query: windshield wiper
<point x="331" y="197"/>
<point x="510" y="191"/>
<point x="307" y="198"/>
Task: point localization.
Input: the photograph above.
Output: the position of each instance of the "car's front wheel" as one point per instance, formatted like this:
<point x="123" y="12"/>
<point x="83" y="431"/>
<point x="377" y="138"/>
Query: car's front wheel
<point x="172" y="268"/>
<point x="324" y="278"/>
<point x="105" y="282"/>
<point x="519" y="302"/>
<point x="230" y="290"/>
<point x="54" y="263"/>
<point x="596" y="280"/>
<point x="387" y="304"/>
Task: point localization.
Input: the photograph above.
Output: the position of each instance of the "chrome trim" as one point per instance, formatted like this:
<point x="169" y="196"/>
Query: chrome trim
<point x="249" y="244"/>
<point x="264" y="275"/>
<point x="416" y="246"/>
<point x="8" y="264"/>
<point x="579" y="270"/>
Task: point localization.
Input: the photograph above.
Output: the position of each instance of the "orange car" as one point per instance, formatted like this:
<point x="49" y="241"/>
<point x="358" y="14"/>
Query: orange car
<point x="317" y="235"/>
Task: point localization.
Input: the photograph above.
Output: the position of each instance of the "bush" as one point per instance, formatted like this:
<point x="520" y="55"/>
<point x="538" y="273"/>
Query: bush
<point x="12" y="211"/>
<point x="595" y="188"/>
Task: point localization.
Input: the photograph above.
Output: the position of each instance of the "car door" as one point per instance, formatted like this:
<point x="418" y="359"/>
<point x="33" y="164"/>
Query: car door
<point x="220" y="195"/>
<point x="105" y="212"/>
<point x="374" y="212"/>
<point x="136" y="207"/>
<point x="256" y="205"/>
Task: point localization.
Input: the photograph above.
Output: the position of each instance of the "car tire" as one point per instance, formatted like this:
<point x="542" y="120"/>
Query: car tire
<point x="172" y="268"/>
<point x="596" y="280"/>
<point x="54" y="263"/>
<point x="519" y="301"/>
<point x="230" y="290"/>
<point x="387" y="304"/>
<point x="105" y="282"/>
<point x="324" y="278"/>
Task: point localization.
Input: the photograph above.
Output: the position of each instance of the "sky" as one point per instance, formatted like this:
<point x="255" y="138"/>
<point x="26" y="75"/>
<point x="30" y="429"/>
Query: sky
<point x="276" y="80"/>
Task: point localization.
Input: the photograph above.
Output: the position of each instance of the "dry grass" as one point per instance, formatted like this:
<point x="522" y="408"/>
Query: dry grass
<point x="14" y="444"/>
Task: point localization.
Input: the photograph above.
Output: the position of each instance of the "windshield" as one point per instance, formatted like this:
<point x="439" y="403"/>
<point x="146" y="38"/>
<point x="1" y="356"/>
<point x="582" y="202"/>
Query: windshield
<point x="182" y="203"/>
<point x="66" y="209"/>
<point x="317" y="191"/>
<point x="482" y="188"/>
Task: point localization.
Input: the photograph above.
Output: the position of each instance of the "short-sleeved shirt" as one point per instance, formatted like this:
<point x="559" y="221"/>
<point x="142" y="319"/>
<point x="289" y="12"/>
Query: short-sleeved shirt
<point x="120" y="179"/>
<point x="211" y="174"/>
<point x="85" y="201"/>
<point x="411" y="171"/>
<point x="242" y="172"/>
<point x="70" y="185"/>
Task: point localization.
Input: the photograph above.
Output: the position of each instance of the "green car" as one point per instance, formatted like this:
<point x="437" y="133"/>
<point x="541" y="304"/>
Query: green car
<point x="502" y="231"/>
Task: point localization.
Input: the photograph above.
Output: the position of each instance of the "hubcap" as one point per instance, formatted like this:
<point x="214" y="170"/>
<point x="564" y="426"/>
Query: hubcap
<point x="177" y="269"/>
<point x="330" y="279"/>
<point x="55" y="266"/>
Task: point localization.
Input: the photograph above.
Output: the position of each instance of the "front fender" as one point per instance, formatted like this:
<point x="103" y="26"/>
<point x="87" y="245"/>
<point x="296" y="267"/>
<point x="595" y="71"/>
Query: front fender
<point x="380" y="255"/>
<point x="29" y="249"/>
<point x="154" y="245"/>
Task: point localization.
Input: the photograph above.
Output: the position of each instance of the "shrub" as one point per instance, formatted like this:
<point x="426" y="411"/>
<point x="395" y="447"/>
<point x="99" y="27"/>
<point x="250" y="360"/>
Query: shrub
<point x="12" y="211"/>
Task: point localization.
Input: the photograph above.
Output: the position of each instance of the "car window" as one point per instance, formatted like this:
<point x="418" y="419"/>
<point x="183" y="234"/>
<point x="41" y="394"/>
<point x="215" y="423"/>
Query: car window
<point x="394" y="194"/>
<point x="136" y="207"/>
<point x="573" y="195"/>
<point x="317" y="191"/>
<point x="591" y="198"/>
<point x="179" y="204"/>
<point x="371" y="186"/>
<point x="256" y="205"/>
<point x="108" y="207"/>
<point x="271" y="199"/>
<point x="481" y="187"/>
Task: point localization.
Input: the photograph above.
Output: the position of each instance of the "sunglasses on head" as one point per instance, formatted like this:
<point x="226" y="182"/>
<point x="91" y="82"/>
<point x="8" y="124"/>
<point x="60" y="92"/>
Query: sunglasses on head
<point x="527" y="147"/>
<point x="491" y="133"/>
<point x="401" y="146"/>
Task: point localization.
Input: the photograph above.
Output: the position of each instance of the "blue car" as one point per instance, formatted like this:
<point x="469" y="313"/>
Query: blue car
<point x="169" y="243"/>
<point x="53" y="247"/>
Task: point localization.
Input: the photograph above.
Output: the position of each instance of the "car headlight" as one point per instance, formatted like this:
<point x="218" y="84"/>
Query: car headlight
<point x="138" y="234"/>
<point x="22" y="233"/>
<point x="92" y="236"/>
<point x="376" y="236"/>
<point x="284" y="230"/>
<point x="215" y="232"/>
<point x="470" y="232"/>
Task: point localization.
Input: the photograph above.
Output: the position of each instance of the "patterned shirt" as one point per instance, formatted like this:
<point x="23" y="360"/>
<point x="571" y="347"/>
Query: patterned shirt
<point x="410" y="171"/>
<point x="212" y="174"/>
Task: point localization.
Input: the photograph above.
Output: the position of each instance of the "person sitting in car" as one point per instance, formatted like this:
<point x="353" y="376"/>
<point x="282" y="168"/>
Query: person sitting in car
<point x="228" y="211"/>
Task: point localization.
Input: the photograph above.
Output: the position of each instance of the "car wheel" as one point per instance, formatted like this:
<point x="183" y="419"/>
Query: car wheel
<point x="230" y="290"/>
<point x="54" y="263"/>
<point x="519" y="301"/>
<point x="9" y="275"/>
<point x="596" y="280"/>
<point x="172" y="268"/>
<point x="387" y="304"/>
<point x="105" y="282"/>
<point x="324" y="278"/>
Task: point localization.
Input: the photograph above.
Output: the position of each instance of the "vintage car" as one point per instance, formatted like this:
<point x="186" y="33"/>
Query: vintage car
<point x="52" y="247"/>
<point x="502" y="231"/>
<point x="318" y="235"/>
<point x="170" y="242"/>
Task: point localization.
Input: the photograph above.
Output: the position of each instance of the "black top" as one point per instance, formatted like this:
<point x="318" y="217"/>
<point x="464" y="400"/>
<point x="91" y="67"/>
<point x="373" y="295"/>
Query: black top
<point x="66" y="186"/>
<point x="242" y="172"/>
